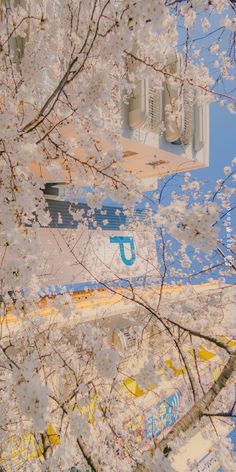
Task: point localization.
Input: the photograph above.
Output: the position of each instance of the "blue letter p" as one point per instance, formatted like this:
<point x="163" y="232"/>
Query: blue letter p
<point x="122" y="240"/>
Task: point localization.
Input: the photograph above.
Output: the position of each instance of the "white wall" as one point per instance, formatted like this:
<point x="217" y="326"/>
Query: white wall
<point x="75" y="256"/>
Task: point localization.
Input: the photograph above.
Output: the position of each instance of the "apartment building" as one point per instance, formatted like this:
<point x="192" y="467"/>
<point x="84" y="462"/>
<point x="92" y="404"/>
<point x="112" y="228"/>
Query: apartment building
<point x="164" y="130"/>
<point x="153" y="144"/>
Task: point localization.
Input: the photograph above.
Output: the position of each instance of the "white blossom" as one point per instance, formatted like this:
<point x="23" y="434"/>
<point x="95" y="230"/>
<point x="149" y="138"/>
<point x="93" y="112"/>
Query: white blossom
<point x="107" y="361"/>
<point x="148" y="375"/>
<point x="68" y="398"/>
<point x="227" y="170"/>
<point x="189" y="17"/>
<point x="205" y="24"/>
<point x="79" y="424"/>
<point x="157" y="462"/>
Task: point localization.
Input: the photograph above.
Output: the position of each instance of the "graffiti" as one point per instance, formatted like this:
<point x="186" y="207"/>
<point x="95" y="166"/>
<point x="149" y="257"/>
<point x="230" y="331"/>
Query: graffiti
<point x="122" y="240"/>
<point x="156" y="418"/>
<point x="161" y="416"/>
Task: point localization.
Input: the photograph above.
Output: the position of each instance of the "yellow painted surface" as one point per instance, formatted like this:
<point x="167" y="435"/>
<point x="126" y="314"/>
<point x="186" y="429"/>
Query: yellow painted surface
<point x="172" y="367"/>
<point x="89" y="409"/>
<point x="25" y="447"/>
<point x="204" y="354"/>
<point x="130" y="386"/>
<point x="52" y="436"/>
<point x="230" y="342"/>
<point x="216" y="372"/>
<point x="133" y="387"/>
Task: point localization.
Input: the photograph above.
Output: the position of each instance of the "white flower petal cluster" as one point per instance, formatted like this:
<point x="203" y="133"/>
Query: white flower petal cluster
<point x="205" y="24"/>
<point x="157" y="462"/>
<point x="64" y="304"/>
<point x="79" y="424"/>
<point x="196" y="228"/>
<point x="106" y="362"/>
<point x="227" y="170"/>
<point x="189" y="16"/>
<point x="148" y="375"/>
<point x="229" y="23"/>
<point x="223" y="450"/>
<point x="32" y="396"/>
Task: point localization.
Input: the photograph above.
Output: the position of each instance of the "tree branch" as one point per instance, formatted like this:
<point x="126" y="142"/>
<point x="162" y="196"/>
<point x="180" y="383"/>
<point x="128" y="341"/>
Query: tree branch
<point x="197" y="411"/>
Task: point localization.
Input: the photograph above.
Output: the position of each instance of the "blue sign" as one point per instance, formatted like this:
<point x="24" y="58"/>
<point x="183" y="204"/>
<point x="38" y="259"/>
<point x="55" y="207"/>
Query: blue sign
<point x="122" y="240"/>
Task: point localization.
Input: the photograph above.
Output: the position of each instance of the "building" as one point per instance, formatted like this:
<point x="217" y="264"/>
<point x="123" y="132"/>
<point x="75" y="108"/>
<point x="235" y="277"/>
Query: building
<point x="154" y="144"/>
<point x="84" y="249"/>
<point x="158" y="140"/>
<point x="152" y="412"/>
<point x="163" y="130"/>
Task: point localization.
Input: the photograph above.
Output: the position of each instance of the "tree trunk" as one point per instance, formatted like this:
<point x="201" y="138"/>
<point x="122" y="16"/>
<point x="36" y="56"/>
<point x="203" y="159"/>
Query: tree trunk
<point x="198" y="410"/>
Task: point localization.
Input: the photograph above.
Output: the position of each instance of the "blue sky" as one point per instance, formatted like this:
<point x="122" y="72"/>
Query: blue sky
<point x="222" y="122"/>
<point x="222" y="144"/>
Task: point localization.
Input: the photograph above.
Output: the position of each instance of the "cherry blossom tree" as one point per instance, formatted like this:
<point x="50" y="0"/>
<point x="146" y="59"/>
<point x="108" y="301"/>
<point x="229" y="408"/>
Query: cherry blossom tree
<point x="65" y="68"/>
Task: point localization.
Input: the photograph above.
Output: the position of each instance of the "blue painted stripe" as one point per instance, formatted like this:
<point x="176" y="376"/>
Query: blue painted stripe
<point x="141" y="281"/>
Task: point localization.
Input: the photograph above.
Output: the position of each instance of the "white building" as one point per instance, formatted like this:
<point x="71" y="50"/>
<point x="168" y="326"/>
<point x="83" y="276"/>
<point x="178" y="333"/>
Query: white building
<point x="163" y="130"/>
<point x="108" y="248"/>
<point x="184" y="142"/>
